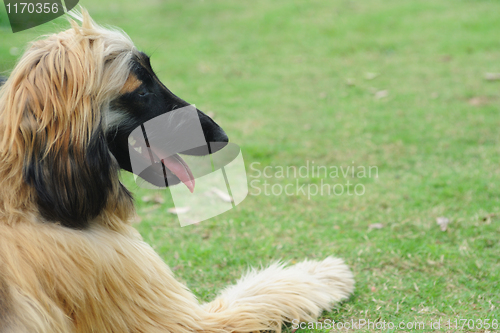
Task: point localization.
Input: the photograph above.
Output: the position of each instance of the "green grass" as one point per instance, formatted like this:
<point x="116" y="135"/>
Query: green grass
<point x="288" y="82"/>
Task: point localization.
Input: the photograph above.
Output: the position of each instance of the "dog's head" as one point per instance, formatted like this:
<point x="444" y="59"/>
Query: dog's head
<point x="143" y="97"/>
<point x="67" y="111"/>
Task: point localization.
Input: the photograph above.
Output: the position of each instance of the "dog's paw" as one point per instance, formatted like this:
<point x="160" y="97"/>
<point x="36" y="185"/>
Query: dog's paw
<point x="280" y="294"/>
<point x="333" y="274"/>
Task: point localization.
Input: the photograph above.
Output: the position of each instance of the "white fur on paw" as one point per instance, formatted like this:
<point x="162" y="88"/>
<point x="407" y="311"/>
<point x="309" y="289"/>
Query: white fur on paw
<point x="336" y="276"/>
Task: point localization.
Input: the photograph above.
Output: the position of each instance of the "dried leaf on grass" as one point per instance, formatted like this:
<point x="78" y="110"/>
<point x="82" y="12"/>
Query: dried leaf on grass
<point x="221" y="194"/>
<point x="178" y="210"/>
<point x="488" y="218"/>
<point x="443" y="223"/>
<point x="350" y="82"/>
<point x="371" y="76"/>
<point x="376" y="226"/>
<point x="157" y="198"/>
<point x="478" y="101"/>
<point x="492" y="76"/>
<point x="381" y="94"/>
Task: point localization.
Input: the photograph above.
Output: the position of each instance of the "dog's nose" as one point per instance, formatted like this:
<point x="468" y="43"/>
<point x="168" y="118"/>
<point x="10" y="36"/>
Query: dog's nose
<point x="211" y="131"/>
<point x="220" y="141"/>
<point x="215" y="137"/>
<point x="220" y="136"/>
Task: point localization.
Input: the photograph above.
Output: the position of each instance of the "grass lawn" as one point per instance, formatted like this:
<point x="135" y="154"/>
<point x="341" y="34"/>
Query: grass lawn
<point x="395" y="85"/>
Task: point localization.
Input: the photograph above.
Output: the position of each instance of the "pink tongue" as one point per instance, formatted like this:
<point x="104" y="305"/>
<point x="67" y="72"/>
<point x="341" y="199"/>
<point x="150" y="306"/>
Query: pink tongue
<point x="179" y="168"/>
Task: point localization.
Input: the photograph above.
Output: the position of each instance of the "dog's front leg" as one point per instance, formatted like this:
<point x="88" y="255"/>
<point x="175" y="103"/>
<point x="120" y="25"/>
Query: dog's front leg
<point x="266" y="299"/>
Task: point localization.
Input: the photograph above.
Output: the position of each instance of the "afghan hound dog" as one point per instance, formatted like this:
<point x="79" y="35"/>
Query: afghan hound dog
<point x="70" y="260"/>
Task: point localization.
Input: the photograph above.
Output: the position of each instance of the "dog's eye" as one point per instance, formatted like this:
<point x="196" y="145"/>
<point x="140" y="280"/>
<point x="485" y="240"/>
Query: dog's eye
<point x="143" y="92"/>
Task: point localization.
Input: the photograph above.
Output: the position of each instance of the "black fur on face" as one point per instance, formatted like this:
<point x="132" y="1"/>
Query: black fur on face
<point x="72" y="188"/>
<point x="143" y="98"/>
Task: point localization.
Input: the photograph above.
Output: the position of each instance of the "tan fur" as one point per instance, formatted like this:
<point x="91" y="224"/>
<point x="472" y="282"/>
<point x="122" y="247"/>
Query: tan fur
<point x="105" y="278"/>
<point x="53" y="96"/>
<point x="131" y="84"/>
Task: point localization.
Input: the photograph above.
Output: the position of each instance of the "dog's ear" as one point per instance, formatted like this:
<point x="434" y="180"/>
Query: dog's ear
<point x="71" y="184"/>
<point x="66" y="159"/>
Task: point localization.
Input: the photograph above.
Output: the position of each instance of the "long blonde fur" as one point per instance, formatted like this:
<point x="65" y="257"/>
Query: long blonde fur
<point x="104" y="278"/>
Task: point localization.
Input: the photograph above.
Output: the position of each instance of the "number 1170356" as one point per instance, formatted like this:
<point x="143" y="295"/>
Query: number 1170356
<point x="32" y="8"/>
<point x="473" y="324"/>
